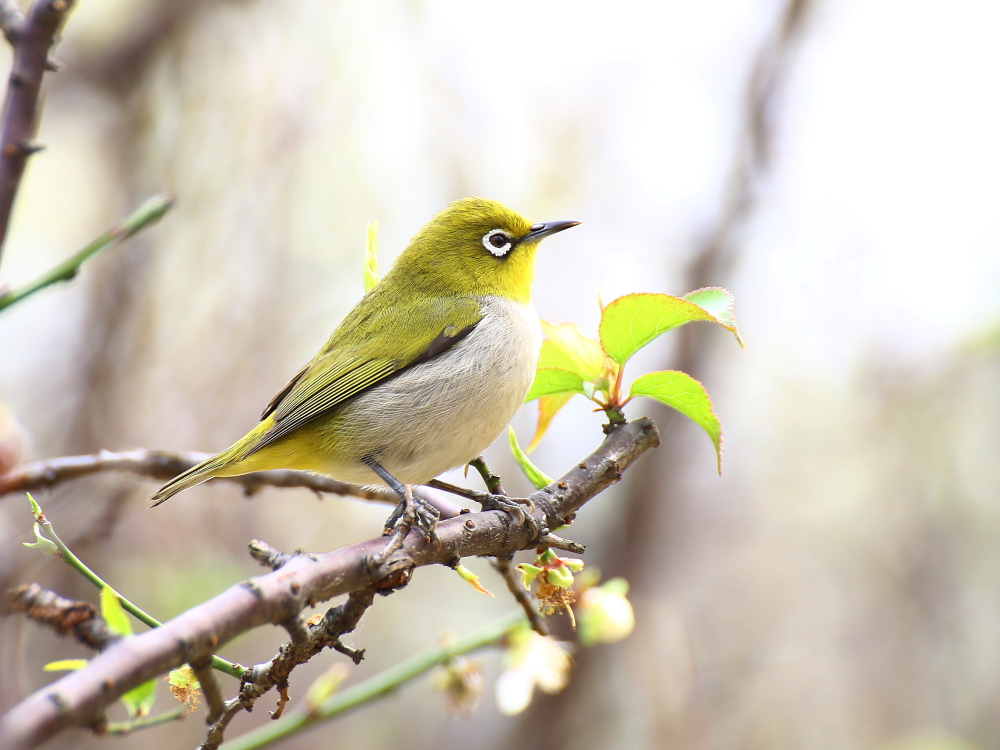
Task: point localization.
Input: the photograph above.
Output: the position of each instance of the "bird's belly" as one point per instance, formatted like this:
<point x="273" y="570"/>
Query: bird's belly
<point x="442" y="413"/>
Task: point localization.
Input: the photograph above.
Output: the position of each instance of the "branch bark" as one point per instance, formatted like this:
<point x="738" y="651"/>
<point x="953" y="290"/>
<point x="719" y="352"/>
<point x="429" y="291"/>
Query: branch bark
<point x="81" y="620"/>
<point x="33" y="38"/>
<point x="79" y="699"/>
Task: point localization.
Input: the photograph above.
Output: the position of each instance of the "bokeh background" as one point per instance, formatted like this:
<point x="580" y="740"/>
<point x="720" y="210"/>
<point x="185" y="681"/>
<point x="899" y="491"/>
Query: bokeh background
<point x="832" y="162"/>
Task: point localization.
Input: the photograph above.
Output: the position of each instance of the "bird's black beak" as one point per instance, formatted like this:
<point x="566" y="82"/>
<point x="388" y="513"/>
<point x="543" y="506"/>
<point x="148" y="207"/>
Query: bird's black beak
<point x="539" y="231"/>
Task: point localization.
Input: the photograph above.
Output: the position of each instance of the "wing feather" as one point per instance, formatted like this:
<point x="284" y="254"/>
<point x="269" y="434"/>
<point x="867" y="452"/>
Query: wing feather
<point x="340" y="372"/>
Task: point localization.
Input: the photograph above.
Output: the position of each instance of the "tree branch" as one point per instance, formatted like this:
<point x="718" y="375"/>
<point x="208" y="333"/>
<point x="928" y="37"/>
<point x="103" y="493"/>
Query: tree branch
<point x="164" y="465"/>
<point x="33" y="37"/>
<point x="79" y="699"/>
<point x="148" y="213"/>
<point x="82" y="620"/>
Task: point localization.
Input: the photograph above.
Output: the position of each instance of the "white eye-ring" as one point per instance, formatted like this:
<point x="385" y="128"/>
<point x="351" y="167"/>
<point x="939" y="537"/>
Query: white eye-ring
<point x="497" y="242"/>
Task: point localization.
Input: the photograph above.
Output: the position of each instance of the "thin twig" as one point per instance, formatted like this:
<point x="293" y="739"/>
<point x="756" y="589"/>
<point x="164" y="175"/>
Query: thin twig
<point x="148" y="213"/>
<point x="11" y="18"/>
<point x="164" y="465"/>
<point x="523" y="597"/>
<point x="205" y="675"/>
<point x="33" y="37"/>
<point x="381" y="685"/>
<point x="551" y="540"/>
<point x="127" y="727"/>
<point x="79" y="698"/>
<point x="491" y="480"/>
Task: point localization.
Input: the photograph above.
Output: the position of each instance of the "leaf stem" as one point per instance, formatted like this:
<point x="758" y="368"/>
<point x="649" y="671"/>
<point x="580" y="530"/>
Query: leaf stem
<point x="375" y="687"/>
<point x="146" y="214"/>
<point x="127" y="727"/>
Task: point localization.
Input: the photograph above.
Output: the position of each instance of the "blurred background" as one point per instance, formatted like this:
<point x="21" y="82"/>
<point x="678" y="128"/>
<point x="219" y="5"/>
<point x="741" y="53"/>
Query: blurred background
<point x="832" y="162"/>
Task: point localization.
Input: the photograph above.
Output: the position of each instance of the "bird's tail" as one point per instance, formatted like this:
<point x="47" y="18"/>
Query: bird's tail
<point x="195" y="475"/>
<point x="230" y="462"/>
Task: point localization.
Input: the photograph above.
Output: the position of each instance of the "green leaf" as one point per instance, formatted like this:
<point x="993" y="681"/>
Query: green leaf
<point x="685" y="394"/>
<point x="36" y="511"/>
<point x="632" y="321"/>
<point x="718" y="303"/>
<point x="43" y="545"/>
<point x="369" y="274"/>
<point x="548" y="407"/>
<point x="535" y="475"/>
<point x="565" y="347"/>
<point x="139" y="700"/>
<point x="467" y="575"/>
<point x="65" y="665"/>
<point x="550" y="380"/>
<point x="113" y="613"/>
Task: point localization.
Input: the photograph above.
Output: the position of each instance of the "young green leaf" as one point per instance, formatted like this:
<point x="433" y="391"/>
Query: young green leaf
<point x="717" y="302"/>
<point x="467" y="575"/>
<point x="685" y="394"/>
<point x="632" y="321"/>
<point x="548" y="407"/>
<point x="573" y="351"/>
<point x="139" y="700"/>
<point x="535" y="475"/>
<point x="369" y="275"/>
<point x="65" y="665"/>
<point x="550" y="380"/>
<point x="43" y="545"/>
<point x="113" y="613"/>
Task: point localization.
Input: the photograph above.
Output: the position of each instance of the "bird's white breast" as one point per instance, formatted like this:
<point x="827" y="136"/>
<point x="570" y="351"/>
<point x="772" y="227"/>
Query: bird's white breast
<point x="444" y="412"/>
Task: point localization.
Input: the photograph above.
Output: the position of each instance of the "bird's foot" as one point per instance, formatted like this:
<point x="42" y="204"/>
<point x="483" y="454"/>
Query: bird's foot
<point x="519" y="507"/>
<point x="411" y="511"/>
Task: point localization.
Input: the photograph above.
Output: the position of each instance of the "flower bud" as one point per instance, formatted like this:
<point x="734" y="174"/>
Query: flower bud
<point x="604" y="614"/>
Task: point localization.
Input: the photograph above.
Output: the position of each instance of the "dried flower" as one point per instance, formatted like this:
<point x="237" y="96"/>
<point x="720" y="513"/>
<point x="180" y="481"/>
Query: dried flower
<point x="184" y="686"/>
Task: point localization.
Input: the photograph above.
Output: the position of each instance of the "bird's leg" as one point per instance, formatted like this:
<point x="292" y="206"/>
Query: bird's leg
<point x="410" y="509"/>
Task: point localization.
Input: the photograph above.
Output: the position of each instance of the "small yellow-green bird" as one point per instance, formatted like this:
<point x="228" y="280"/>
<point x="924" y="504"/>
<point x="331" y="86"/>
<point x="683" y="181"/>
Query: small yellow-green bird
<point x="422" y="375"/>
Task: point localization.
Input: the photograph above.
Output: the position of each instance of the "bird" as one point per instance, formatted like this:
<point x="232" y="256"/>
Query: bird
<point x="421" y="376"/>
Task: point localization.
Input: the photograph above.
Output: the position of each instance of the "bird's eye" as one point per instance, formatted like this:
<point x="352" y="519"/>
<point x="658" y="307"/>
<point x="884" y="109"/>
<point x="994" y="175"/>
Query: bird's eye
<point x="497" y="242"/>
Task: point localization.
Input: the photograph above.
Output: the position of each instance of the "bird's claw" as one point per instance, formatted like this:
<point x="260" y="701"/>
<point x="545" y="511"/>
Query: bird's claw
<point x="412" y="509"/>
<point x="520" y="507"/>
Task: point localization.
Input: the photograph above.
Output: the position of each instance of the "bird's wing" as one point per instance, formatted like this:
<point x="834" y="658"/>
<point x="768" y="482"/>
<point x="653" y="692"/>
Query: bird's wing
<point x="378" y="350"/>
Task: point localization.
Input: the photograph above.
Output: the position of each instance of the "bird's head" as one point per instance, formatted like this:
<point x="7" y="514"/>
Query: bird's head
<point x="477" y="247"/>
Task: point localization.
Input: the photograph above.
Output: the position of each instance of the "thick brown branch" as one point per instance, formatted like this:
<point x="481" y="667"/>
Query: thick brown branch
<point x="164" y="465"/>
<point x="65" y="616"/>
<point x="32" y="38"/>
<point x="79" y="699"/>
